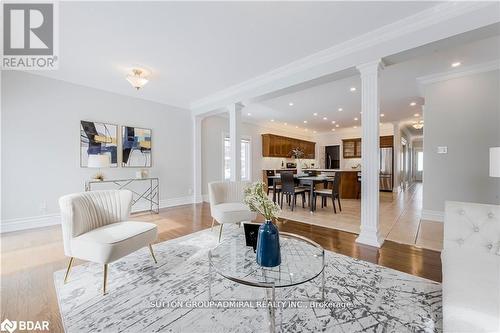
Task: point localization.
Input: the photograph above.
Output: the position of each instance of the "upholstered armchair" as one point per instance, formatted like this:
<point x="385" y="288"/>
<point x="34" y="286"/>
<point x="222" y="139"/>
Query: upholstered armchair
<point x="96" y="228"/>
<point x="471" y="268"/>
<point x="227" y="203"/>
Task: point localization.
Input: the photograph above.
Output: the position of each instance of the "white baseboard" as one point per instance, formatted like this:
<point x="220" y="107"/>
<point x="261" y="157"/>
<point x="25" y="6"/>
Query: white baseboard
<point x="40" y="221"/>
<point x="32" y="222"/>
<point x="205" y="198"/>
<point x="432" y="215"/>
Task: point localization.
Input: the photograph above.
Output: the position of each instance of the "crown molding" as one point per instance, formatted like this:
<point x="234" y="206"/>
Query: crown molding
<point x="420" y="21"/>
<point x="463" y="71"/>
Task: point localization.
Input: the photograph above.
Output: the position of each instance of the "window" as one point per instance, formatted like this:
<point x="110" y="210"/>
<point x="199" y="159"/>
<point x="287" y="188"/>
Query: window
<point x="420" y="161"/>
<point x="245" y="159"/>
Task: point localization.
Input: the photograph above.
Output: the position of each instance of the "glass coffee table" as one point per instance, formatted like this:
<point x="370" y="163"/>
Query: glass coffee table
<point x="302" y="260"/>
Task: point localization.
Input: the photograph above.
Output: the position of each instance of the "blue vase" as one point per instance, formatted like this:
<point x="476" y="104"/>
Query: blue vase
<point x="268" y="245"/>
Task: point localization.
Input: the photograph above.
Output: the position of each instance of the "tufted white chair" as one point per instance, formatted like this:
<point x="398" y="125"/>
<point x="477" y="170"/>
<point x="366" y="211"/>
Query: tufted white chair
<point x="471" y="268"/>
<point x="227" y="203"/>
<point x="95" y="228"/>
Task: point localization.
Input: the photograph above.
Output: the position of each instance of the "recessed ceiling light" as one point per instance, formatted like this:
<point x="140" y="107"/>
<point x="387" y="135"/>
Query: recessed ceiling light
<point x="416" y="115"/>
<point x="315" y="114"/>
<point x="355" y="118"/>
<point x="353" y="89"/>
<point x="456" y="64"/>
<point x="413" y="103"/>
<point x="305" y="129"/>
<point x="314" y="131"/>
<point x="272" y="120"/>
<point x="382" y="115"/>
<point x="355" y="126"/>
<point x="333" y="129"/>
<point x="305" y="121"/>
<point x="340" y="109"/>
<point x="333" y="121"/>
<point x="291" y="103"/>
<point x="337" y="125"/>
<point x="325" y="118"/>
<point x="296" y="126"/>
<point x="285" y="124"/>
<point x="249" y="114"/>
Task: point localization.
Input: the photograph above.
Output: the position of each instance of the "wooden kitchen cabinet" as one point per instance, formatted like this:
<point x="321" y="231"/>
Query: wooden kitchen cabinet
<point x="351" y="148"/>
<point x="281" y="146"/>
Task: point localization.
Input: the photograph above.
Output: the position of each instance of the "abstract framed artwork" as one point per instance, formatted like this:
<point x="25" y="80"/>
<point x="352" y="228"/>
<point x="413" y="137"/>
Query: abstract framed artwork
<point x="136" y="147"/>
<point x="98" y="139"/>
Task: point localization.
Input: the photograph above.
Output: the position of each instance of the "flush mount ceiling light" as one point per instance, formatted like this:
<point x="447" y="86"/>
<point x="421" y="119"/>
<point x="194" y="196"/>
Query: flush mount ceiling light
<point x="456" y="64"/>
<point x="340" y="109"/>
<point x="418" y="125"/>
<point x="291" y="103"/>
<point x="138" y="78"/>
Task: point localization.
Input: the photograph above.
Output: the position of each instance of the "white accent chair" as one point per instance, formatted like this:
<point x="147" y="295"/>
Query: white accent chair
<point x="471" y="268"/>
<point x="227" y="203"/>
<point x="96" y="228"/>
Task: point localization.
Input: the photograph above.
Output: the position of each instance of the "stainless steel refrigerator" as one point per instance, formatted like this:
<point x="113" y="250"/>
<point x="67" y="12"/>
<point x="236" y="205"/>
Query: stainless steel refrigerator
<point x="386" y="169"/>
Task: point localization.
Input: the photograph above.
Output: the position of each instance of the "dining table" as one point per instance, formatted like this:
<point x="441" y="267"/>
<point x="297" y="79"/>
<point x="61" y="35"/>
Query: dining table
<point x="304" y="180"/>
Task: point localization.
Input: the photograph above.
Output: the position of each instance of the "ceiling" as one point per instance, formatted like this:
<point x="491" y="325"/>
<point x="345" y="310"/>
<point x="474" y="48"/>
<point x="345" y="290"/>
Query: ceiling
<point x="319" y="105"/>
<point x="195" y="49"/>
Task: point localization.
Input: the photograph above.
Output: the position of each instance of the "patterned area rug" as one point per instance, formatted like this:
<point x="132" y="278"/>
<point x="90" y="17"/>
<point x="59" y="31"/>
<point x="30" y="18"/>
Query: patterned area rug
<point x="144" y="297"/>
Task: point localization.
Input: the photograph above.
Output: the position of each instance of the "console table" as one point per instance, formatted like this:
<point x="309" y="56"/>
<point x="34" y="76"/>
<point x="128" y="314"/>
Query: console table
<point x="151" y="194"/>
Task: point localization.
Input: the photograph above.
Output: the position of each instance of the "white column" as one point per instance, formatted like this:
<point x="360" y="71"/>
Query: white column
<point x="396" y="155"/>
<point x="197" y="195"/>
<point x="370" y="153"/>
<point x="235" y="139"/>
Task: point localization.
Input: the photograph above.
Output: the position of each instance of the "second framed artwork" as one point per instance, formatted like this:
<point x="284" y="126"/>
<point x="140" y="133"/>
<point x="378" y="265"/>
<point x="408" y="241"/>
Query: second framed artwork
<point x="136" y="147"/>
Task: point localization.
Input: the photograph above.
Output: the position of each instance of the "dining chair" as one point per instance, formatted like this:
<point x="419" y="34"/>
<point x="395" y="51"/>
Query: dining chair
<point x="291" y="191"/>
<point x="333" y="193"/>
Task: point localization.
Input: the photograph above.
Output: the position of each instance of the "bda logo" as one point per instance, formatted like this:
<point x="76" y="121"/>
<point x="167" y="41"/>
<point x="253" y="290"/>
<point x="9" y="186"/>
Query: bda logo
<point x="8" y="325"/>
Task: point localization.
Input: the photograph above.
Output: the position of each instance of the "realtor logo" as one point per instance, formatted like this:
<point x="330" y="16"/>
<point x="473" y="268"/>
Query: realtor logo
<point x="29" y="36"/>
<point x="24" y="325"/>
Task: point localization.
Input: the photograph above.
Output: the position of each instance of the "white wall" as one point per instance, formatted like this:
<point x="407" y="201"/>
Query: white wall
<point x="464" y="115"/>
<point x="335" y="138"/>
<point x="213" y="130"/>
<point x="40" y="142"/>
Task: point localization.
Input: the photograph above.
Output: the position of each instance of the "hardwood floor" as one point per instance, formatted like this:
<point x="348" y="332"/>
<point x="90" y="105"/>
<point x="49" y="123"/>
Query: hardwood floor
<point x="29" y="258"/>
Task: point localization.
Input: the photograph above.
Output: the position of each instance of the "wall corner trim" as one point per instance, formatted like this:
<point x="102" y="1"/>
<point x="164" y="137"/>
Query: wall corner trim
<point x="432" y="215"/>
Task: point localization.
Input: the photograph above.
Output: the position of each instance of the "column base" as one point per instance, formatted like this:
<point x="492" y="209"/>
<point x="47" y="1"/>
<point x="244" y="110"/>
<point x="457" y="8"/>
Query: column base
<point x="371" y="238"/>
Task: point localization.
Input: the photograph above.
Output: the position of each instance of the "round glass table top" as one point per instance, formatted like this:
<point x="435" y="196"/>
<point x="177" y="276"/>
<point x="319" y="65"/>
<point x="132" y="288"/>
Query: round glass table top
<point x="301" y="260"/>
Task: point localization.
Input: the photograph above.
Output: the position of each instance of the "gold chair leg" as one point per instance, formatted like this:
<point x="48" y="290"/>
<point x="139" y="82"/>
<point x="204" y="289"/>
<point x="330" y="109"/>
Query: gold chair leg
<point x="152" y="253"/>
<point x="68" y="269"/>
<point x="105" y="279"/>
<point x="220" y="232"/>
<point x="213" y="222"/>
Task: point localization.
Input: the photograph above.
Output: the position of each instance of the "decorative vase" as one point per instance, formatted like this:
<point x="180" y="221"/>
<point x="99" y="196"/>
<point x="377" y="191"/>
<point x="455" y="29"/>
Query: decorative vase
<point x="268" y="245"/>
<point x="299" y="168"/>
